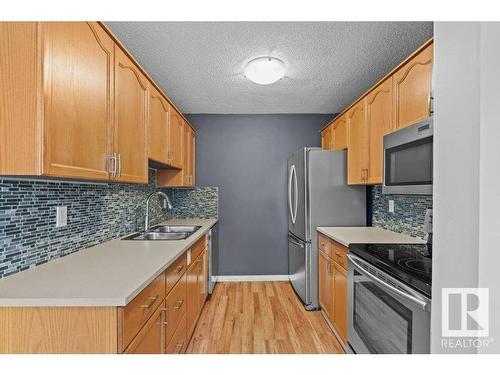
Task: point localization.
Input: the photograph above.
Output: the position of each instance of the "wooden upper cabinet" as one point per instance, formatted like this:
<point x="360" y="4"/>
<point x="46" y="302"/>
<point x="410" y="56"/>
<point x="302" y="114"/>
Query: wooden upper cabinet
<point x="77" y="99"/>
<point x="188" y="155"/>
<point x="326" y="138"/>
<point x="339" y="133"/>
<point x="19" y="85"/>
<point x="357" y="139"/>
<point x="413" y="89"/>
<point x="131" y="92"/>
<point x="325" y="272"/>
<point x="379" y="122"/>
<point x="158" y="127"/>
<point x="176" y="139"/>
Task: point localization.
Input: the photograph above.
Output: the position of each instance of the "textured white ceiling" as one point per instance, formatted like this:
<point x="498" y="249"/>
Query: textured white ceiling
<point x="200" y="64"/>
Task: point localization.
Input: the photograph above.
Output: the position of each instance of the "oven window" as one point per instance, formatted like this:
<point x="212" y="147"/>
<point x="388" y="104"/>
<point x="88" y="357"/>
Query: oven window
<point x="383" y="324"/>
<point x="409" y="164"/>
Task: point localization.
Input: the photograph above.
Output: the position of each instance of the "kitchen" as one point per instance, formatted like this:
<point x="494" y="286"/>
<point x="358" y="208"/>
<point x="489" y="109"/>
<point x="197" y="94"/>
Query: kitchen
<point x="140" y="216"/>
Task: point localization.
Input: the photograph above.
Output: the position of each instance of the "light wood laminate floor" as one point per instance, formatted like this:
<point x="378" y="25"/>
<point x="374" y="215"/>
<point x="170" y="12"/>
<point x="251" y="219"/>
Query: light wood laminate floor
<point x="260" y="317"/>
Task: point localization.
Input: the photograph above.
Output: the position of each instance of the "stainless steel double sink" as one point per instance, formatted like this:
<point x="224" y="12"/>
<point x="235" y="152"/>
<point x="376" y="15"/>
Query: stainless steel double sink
<point x="165" y="233"/>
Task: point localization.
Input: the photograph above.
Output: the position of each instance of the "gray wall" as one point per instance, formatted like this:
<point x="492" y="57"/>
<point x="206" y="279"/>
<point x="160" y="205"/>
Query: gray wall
<point x="246" y="157"/>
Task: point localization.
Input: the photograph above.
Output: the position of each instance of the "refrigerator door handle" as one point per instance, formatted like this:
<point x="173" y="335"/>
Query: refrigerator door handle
<point x="292" y="175"/>
<point x="290" y="193"/>
<point x="296" y="195"/>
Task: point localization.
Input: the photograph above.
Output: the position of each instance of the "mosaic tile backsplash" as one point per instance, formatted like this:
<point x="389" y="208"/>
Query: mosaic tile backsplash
<point x="96" y="213"/>
<point x="408" y="216"/>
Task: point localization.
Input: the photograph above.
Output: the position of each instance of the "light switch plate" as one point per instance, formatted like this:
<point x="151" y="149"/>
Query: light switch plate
<point x="61" y="216"/>
<point x="391" y="206"/>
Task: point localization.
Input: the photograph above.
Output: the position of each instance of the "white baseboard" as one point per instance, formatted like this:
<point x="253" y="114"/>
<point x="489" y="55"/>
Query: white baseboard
<point x="231" y="278"/>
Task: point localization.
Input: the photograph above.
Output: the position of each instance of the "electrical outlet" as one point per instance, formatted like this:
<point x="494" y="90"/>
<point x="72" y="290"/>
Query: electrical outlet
<point x="61" y="216"/>
<point x="391" y="206"/>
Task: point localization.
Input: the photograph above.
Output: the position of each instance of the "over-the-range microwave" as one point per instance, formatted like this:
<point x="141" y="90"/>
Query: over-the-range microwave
<point x="408" y="160"/>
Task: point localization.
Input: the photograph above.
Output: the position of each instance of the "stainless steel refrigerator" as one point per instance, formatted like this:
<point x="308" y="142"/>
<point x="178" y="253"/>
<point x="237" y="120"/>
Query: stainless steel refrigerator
<point x="318" y="195"/>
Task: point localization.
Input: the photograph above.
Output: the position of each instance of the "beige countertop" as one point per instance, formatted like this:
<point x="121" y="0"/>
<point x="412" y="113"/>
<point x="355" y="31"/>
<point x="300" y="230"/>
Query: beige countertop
<point x="368" y="235"/>
<point x="109" y="274"/>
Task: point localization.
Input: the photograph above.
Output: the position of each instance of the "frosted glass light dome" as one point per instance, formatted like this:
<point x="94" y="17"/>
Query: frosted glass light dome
<point x="265" y="70"/>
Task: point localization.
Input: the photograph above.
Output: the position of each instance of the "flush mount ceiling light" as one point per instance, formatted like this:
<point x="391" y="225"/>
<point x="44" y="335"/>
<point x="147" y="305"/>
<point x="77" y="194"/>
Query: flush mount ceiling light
<point x="265" y="70"/>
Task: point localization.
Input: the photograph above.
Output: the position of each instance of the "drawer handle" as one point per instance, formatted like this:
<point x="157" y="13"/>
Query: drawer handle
<point x="153" y="300"/>
<point x="178" y="304"/>
<point x="178" y="347"/>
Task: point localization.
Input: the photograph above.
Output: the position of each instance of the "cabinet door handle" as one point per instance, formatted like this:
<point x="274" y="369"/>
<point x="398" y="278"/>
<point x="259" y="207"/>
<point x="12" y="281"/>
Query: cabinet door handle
<point x="112" y="165"/>
<point x="178" y="304"/>
<point x="119" y="165"/>
<point x="148" y="305"/>
<point x="178" y="269"/>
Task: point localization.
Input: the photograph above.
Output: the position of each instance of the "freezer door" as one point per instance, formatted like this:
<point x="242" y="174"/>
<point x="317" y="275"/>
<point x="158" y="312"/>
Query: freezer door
<point x="298" y="267"/>
<point x="296" y="200"/>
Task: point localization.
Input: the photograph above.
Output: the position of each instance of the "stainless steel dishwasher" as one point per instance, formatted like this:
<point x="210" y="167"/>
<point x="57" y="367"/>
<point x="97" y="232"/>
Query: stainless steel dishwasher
<point x="213" y="257"/>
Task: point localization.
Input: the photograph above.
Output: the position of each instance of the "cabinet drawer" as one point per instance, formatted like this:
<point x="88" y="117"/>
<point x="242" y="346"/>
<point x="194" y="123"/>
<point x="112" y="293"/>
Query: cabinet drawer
<point x="138" y="311"/>
<point x="339" y="254"/>
<point x="175" y="271"/>
<point x="324" y="244"/>
<point x="175" y="307"/>
<point x="198" y="248"/>
<point x="178" y="343"/>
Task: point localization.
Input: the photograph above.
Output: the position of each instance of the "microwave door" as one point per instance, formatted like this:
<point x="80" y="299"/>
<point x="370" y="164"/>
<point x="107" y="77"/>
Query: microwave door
<point x="408" y="160"/>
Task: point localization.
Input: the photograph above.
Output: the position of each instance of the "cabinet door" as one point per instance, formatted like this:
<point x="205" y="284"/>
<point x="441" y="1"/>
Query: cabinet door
<point x="188" y="155"/>
<point x="412" y="89"/>
<point x="19" y="107"/>
<point x="357" y="156"/>
<point x="158" y="123"/>
<point x="326" y="285"/>
<point x="131" y="91"/>
<point x="339" y="137"/>
<point x="77" y="97"/>
<point x="326" y="138"/>
<point x="192" y="296"/>
<point x="193" y="157"/>
<point x="178" y="343"/>
<point x="340" y="297"/>
<point x="379" y="123"/>
<point x="176" y="139"/>
<point x="149" y="340"/>
<point x="203" y="280"/>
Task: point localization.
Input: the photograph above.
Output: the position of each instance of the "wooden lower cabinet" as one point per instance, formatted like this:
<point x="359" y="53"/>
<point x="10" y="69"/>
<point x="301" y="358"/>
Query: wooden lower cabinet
<point x="160" y="319"/>
<point x="326" y="295"/>
<point x="333" y="296"/>
<point x="179" y="341"/>
<point x="340" y="305"/>
<point x="149" y="340"/>
<point x="193" y="300"/>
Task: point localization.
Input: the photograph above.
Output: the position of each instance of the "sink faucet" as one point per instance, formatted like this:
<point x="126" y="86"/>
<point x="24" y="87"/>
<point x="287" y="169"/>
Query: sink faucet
<point x="167" y="199"/>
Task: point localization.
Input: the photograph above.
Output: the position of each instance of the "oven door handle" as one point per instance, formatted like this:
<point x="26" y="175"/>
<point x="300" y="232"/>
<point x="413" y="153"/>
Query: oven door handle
<point x="424" y="305"/>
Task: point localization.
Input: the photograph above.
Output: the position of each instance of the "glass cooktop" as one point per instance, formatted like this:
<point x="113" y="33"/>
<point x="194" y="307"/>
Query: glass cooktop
<point x="412" y="264"/>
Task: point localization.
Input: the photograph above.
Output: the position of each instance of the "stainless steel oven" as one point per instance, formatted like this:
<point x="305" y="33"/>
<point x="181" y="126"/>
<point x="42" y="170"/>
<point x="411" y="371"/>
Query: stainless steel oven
<point x="408" y="155"/>
<point x="385" y="315"/>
